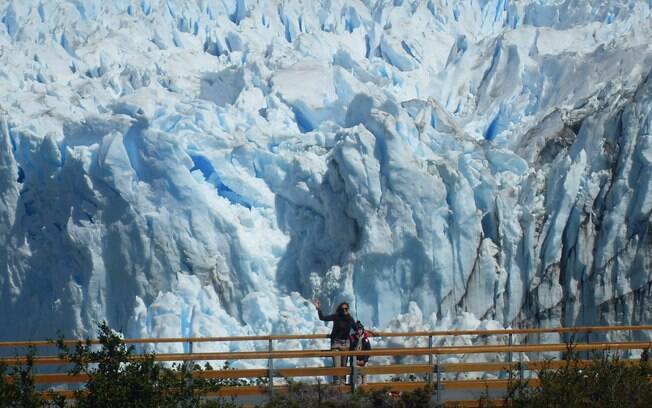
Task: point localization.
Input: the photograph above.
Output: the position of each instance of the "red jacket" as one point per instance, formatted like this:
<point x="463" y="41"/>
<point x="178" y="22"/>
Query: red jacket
<point x="365" y="345"/>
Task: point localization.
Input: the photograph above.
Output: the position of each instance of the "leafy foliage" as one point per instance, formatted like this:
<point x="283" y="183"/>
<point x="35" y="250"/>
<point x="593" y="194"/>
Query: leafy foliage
<point x="605" y="382"/>
<point x="117" y="379"/>
<point x="17" y="387"/>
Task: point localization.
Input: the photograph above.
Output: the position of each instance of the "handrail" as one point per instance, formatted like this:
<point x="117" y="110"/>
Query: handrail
<point x="434" y="366"/>
<point x="559" y="330"/>
<point x="396" y="352"/>
<point x="60" y="378"/>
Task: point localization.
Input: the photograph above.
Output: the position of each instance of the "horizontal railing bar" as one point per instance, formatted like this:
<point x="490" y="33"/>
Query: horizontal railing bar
<point x="396" y="369"/>
<point x="372" y="370"/>
<point x="281" y="372"/>
<point x="311" y="371"/>
<point x="44" y="360"/>
<point x="51" y="343"/>
<point x="394" y="386"/>
<point x="42" y="343"/>
<point x="415" y="351"/>
<point x="552" y="347"/>
<point x="475" y="367"/>
<point x="60" y="378"/>
<point x="209" y="374"/>
<point x="494" y="384"/>
<point x="483" y="384"/>
<point x="35" y="343"/>
<point x="246" y="390"/>
<point x="401" y="386"/>
<point x="256" y="390"/>
<point x="515" y="331"/>
<point x="527" y="365"/>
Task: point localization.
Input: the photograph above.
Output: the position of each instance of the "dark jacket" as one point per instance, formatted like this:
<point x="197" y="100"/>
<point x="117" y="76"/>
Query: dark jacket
<point x="342" y="325"/>
<point x="366" y="345"/>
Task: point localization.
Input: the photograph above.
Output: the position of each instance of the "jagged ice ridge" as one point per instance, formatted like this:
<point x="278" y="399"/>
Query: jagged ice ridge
<point x="205" y="168"/>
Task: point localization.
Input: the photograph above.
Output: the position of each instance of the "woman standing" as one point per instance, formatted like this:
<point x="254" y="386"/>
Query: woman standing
<point x="343" y="324"/>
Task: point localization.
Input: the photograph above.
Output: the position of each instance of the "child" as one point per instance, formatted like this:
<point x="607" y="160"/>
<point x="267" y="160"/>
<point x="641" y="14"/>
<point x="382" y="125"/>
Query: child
<point x="360" y="341"/>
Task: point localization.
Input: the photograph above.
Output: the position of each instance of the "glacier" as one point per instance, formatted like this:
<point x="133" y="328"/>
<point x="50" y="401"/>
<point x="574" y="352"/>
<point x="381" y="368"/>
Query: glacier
<point x="207" y="168"/>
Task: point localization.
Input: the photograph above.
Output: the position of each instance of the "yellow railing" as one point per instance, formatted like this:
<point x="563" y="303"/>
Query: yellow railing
<point x="432" y="371"/>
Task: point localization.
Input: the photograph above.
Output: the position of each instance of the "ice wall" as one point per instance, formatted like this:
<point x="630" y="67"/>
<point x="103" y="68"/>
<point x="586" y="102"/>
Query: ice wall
<point x="205" y="168"/>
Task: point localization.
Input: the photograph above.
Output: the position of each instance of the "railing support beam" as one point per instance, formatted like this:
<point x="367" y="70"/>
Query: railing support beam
<point x="270" y="367"/>
<point x="439" y="384"/>
<point x="429" y="375"/>
<point x="354" y="373"/>
<point x="509" y="353"/>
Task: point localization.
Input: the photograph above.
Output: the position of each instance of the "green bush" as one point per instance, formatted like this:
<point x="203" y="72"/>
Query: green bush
<point x="605" y="382"/>
<point x="17" y="387"/>
<point x="117" y="379"/>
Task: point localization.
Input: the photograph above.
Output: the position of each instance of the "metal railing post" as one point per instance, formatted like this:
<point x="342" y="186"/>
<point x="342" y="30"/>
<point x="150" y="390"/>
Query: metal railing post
<point x="510" y="358"/>
<point x="429" y="375"/>
<point x="588" y="341"/>
<point x="270" y="367"/>
<point x="439" y="385"/>
<point x="521" y="371"/>
<point x="354" y="372"/>
<point x="190" y="362"/>
<point x="189" y="366"/>
<point x="509" y="353"/>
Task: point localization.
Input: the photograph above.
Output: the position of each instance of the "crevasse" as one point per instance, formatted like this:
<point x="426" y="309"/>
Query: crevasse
<point x="206" y="168"/>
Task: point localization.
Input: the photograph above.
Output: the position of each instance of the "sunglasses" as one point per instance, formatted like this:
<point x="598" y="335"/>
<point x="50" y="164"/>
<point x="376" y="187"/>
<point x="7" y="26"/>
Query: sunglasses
<point x="345" y="308"/>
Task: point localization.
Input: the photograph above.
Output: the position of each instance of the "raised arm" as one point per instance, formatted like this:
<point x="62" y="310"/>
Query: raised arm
<point x="326" y="318"/>
<point x="322" y="317"/>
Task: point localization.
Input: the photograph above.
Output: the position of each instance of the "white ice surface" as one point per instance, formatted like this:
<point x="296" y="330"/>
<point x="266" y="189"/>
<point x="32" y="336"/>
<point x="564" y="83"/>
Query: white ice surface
<point x="205" y="168"/>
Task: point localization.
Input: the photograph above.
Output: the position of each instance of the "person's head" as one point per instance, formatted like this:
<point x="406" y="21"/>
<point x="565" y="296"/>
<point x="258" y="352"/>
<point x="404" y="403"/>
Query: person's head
<point x="359" y="328"/>
<point x="343" y="309"/>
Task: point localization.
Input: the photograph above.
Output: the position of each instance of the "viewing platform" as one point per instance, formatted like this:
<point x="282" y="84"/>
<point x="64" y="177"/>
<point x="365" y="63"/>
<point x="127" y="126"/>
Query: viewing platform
<point x="458" y="374"/>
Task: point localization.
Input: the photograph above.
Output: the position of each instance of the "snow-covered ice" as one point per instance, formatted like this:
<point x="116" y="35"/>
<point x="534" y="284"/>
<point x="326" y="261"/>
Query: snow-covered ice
<point x="205" y="168"/>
